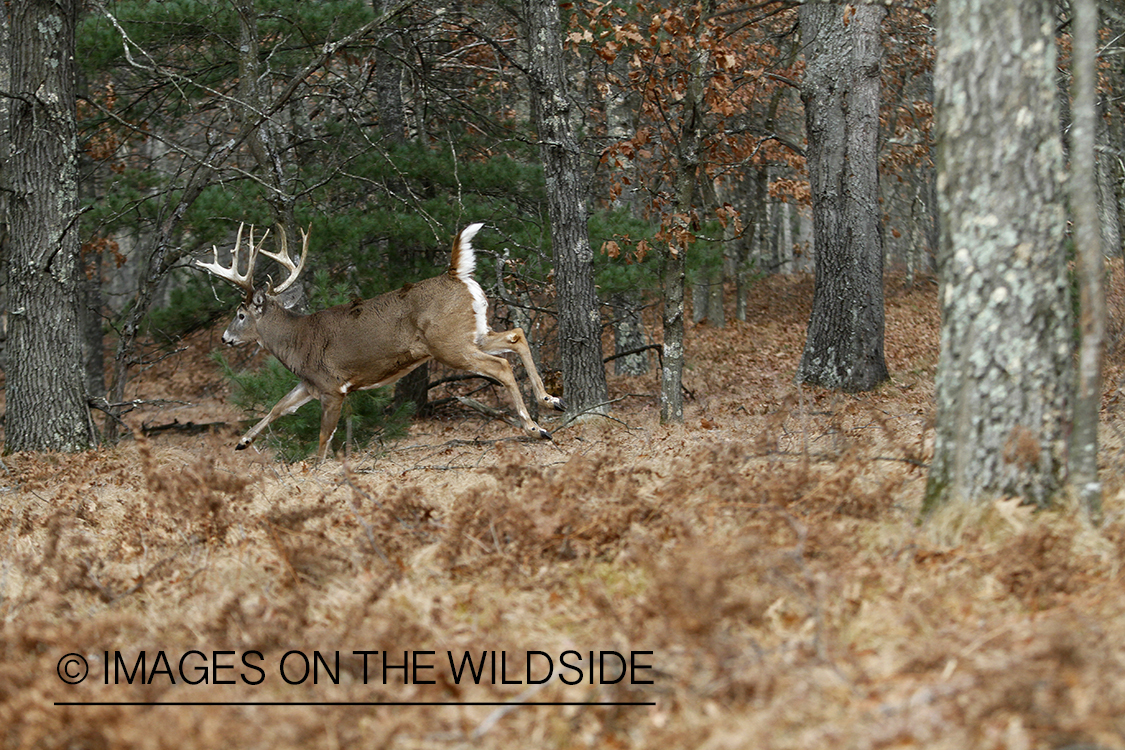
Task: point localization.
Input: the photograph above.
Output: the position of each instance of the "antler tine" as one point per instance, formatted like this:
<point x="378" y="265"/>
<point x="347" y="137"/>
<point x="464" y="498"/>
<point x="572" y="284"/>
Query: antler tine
<point x="286" y="261"/>
<point x="243" y="281"/>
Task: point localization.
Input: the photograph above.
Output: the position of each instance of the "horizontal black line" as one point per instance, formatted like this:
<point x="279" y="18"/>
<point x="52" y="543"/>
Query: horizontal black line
<point x="351" y="703"/>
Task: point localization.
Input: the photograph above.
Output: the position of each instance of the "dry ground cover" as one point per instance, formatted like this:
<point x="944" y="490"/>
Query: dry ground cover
<point x="762" y="561"/>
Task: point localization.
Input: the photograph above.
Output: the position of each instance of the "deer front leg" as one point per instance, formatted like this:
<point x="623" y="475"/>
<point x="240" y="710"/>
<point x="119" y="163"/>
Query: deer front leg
<point x="497" y="342"/>
<point x="290" y="403"/>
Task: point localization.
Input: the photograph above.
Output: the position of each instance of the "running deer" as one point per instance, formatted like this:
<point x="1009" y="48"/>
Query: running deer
<point x="372" y="343"/>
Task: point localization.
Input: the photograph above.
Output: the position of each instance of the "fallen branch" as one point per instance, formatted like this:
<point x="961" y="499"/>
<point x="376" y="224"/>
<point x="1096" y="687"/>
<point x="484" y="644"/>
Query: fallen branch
<point x="658" y="347"/>
<point x="187" y="428"/>
<point x="488" y="411"/>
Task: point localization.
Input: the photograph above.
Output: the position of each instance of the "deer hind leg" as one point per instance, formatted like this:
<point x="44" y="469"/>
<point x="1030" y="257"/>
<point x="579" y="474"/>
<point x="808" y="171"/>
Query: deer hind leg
<point x="331" y="405"/>
<point x="497" y="368"/>
<point x="498" y="342"/>
<point x="290" y="403"/>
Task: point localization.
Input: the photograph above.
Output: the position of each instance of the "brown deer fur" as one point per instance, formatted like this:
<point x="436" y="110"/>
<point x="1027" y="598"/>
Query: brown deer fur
<point x="372" y="343"/>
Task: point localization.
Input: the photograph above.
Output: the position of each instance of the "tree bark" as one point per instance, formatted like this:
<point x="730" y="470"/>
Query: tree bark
<point x="628" y="325"/>
<point x="672" y="324"/>
<point x="707" y="299"/>
<point x="752" y="252"/>
<point x="414" y="387"/>
<point x="580" y="344"/>
<point x="844" y="347"/>
<point x="1108" y="204"/>
<point x="675" y="257"/>
<point x="628" y="333"/>
<point x="388" y="81"/>
<point x="46" y="389"/>
<point x="1083" y="185"/>
<point x="92" y="345"/>
<point x="269" y="141"/>
<point x="1004" y="374"/>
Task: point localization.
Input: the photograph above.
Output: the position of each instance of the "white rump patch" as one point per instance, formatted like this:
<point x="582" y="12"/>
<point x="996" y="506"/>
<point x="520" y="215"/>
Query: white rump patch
<point x="466" y="264"/>
<point x="480" y="307"/>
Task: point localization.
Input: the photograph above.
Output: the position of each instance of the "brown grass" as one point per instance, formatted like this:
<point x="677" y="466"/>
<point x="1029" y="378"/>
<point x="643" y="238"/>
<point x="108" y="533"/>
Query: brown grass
<point x="765" y="552"/>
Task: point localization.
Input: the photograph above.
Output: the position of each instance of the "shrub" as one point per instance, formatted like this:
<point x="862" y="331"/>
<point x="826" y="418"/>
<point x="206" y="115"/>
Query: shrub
<point x="297" y="435"/>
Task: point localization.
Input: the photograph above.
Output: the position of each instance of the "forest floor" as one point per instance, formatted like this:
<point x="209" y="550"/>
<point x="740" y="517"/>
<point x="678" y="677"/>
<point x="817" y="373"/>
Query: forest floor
<point x="759" y="569"/>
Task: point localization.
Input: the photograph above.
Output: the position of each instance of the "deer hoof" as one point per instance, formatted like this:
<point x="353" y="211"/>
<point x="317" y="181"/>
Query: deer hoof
<point x="544" y="434"/>
<point x="241" y="446"/>
<point x="558" y="405"/>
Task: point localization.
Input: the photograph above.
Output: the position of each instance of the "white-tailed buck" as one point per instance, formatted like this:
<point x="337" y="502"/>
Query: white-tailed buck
<point x="372" y="343"/>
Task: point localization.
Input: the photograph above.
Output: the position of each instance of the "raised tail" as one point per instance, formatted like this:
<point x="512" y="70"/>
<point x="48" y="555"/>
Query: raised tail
<point x="461" y="266"/>
<point x="463" y="261"/>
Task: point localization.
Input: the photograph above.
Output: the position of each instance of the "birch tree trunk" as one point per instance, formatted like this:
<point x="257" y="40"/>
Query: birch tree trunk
<point x="46" y="389"/>
<point x="580" y="342"/>
<point x="844" y="347"/>
<point x="1004" y="374"/>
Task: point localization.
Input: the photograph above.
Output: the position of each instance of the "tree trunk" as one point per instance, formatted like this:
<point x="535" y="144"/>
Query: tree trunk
<point x="1083" y="185"/>
<point x="844" y="347"/>
<point x="1004" y="374"/>
<point x="92" y="334"/>
<point x="707" y="298"/>
<point x="268" y="141"/>
<point x="628" y="325"/>
<point x="752" y="252"/>
<point x="5" y="151"/>
<point x="388" y="82"/>
<point x="580" y="343"/>
<point x="675" y="258"/>
<point x="46" y="393"/>
<point x="1107" y="188"/>
<point x="414" y="387"/>
<point x="672" y="323"/>
<point x="628" y="334"/>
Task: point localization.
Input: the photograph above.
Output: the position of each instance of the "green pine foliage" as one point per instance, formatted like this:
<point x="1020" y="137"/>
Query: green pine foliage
<point x="296" y="436"/>
<point x="626" y="272"/>
<point x="197" y="32"/>
<point x="705" y="256"/>
<point x="370" y="241"/>
<point x="195" y="304"/>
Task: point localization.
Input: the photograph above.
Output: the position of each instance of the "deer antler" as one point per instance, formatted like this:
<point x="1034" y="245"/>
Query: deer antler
<point x="286" y="261"/>
<point x="244" y="281"/>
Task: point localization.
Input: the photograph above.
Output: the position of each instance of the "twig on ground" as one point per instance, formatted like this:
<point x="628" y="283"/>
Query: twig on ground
<point x="592" y="409"/>
<point x="488" y="411"/>
<point x="370" y="532"/>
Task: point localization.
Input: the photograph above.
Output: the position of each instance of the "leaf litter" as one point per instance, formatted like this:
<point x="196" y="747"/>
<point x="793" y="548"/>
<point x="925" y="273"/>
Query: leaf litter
<point x="766" y="553"/>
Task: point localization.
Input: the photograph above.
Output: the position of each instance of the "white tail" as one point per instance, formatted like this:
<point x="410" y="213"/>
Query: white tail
<point x="374" y="342"/>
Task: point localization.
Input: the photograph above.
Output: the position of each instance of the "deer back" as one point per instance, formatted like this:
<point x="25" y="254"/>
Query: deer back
<point x="366" y="343"/>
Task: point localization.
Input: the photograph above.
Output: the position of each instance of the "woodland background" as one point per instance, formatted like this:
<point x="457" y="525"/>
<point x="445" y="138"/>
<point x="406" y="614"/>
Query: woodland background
<point x="766" y="549"/>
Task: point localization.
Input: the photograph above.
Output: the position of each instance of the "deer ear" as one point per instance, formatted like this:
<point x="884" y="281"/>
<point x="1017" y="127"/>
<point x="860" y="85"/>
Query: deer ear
<point x="258" y="302"/>
<point x="292" y="298"/>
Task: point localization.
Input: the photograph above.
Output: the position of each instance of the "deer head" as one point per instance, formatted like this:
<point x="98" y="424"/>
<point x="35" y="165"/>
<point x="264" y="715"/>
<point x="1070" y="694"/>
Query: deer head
<point x="244" y="327"/>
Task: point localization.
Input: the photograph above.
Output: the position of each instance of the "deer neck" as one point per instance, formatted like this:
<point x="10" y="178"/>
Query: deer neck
<point x="277" y="330"/>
